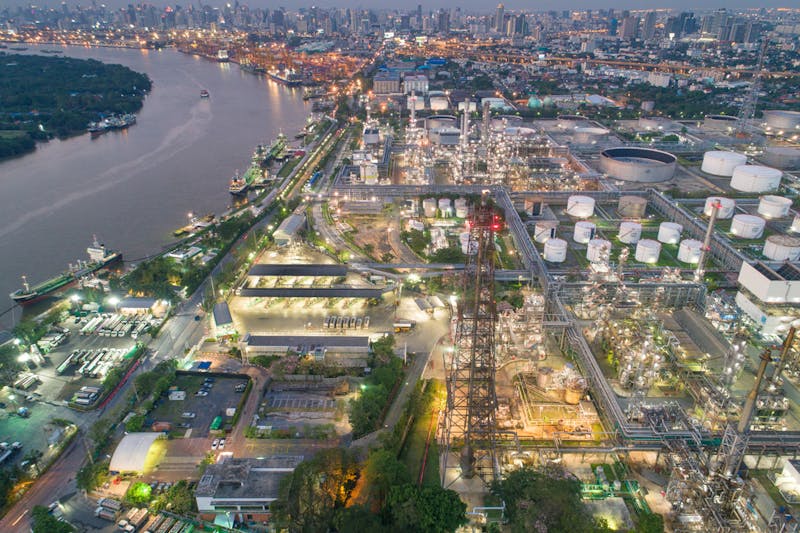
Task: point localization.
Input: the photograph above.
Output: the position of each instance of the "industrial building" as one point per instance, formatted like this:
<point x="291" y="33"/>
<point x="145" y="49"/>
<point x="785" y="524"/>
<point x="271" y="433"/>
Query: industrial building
<point x="288" y="230"/>
<point x="317" y="346"/>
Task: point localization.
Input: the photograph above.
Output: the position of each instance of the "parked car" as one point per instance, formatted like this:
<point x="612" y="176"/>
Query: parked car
<point x="214" y="444"/>
<point x="221" y="444"/>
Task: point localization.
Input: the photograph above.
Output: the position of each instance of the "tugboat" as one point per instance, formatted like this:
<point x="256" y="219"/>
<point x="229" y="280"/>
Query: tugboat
<point x="238" y="185"/>
<point x="204" y="94"/>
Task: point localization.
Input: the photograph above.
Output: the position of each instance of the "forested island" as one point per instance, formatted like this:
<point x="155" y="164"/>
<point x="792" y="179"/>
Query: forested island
<point x="44" y="97"/>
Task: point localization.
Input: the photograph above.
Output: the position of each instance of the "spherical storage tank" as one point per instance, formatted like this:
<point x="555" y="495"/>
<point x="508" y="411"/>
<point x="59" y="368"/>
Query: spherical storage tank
<point x="689" y="251"/>
<point x="782" y="157"/>
<point x="726" y="206"/>
<point x="544" y="230"/>
<point x="584" y="231"/>
<point x="755" y="178"/>
<point x="669" y="232"/>
<point x="629" y="232"/>
<point x="580" y="206"/>
<point x="747" y="226"/>
<point x="782" y="247"/>
<point x="429" y="207"/>
<point x="782" y="120"/>
<point x="644" y="165"/>
<point x="555" y="250"/>
<point x="647" y="251"/>
<point x="771" y="206"/>
<point x="632" y="206"/>
<point x="597" y="250"/>
<point x="721" y="163"/>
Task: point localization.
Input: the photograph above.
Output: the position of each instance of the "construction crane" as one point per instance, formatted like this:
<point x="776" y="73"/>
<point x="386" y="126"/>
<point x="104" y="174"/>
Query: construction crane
<point x="748" y="109"/>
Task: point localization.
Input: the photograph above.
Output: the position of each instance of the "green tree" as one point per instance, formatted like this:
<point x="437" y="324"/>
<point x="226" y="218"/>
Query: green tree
<point x="356" y="519"/>
<point x="139" y="494"/>
<point x="383" y="471"/>
<point x="6" y="485"/>
<point x="92" y="476"/>
<point x="650" y="523"/>
<point x="178" y="499"/>
<point x="113" y="378"/>
<point x="134" y="424"/>
<point x="34" y="457"/>
<point x="430" y="508"/>
<point x="44" y="522"/>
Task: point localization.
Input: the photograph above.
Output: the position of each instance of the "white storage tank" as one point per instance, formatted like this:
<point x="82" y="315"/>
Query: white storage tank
<point x="555" y="250"/>
<point x="726" y="206"/>
<point x="647" y="251"/>
<point x="597" y="250"/>
<point x="782" y="157"/>
<point x="782" y="247"/>
<point x="429" y="207"/>
<point x="544" y="230"/>
<point x="748" y="226"/>
<point x="689" y="251"/>
<point x="771" y="206"/>
<point x="669" y="232"/>
<point x="795" y="227"/>
<point x="755" y="178"/>
<point x="580" y="206"/>
<point x="629" y="232"/>
<point x="632" y="206"/>
<point x="782" y="120"/>
<point x="446" y="207"/>
<point x="721" y="163"/>
<point x="588" y="135"/>
<point x="584" y="231"/>
<point x="462" y="210"/>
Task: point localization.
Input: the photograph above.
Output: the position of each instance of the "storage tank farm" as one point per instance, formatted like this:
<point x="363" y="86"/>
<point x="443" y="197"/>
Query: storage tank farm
<point x="555" y="250"/>
<point x="755" y="178"/>
<point x="747" y="226"/>
<point x="726" y="206"/>
<point x="771" y="206"/>
<point x="721" y="163"/>
<point x="689" y="251"/>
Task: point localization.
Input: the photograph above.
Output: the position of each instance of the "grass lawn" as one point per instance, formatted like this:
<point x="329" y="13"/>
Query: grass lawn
<point x="413" y="451"/>
<point x="287" y="168"/>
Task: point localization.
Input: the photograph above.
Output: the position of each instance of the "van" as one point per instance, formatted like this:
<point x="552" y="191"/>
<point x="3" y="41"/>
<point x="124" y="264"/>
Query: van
<point x="188" y="415"/>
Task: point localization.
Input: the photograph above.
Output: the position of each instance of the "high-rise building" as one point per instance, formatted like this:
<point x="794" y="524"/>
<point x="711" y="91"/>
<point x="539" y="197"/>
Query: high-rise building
<point x="499" y="18"/>
<point x="649" y="26"/>
<point x="443" y="21"/>
<point x="630" y="26"/>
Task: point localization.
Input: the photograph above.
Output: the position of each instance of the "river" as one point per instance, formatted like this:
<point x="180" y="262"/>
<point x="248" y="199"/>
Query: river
<point x="133" y="188"/>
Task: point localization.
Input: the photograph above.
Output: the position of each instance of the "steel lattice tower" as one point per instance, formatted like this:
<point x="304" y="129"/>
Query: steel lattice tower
<point x="471" y="398"/>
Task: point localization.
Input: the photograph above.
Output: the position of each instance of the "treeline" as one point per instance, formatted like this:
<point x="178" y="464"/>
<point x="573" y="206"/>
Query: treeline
<point x="44" y="97"/>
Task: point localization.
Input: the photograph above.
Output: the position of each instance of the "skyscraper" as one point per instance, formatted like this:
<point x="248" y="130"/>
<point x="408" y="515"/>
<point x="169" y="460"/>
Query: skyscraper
<point x="499" y="18"/>
<point x="649" y="26"/>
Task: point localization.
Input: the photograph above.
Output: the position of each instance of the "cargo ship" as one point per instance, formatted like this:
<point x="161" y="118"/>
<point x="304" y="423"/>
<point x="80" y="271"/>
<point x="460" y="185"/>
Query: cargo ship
<point x="240" y="184"/>
<point x="99" y="257"/>
<point x="114" y="122"/>
<point x="288" y="77"/>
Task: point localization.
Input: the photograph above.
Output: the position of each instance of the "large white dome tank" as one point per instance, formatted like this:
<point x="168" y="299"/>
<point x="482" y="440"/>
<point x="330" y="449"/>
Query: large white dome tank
<point x="669" y="232"/>
<point x="629" y="232"/>
<point x="782" y="247"/>
<point x="689" y="251"/>
<point x="597" y="250"/>
<point x="771" y="206"/>
<point x="726" y="206"/>
<point x="721" y="163"/>
<point x="544" y="230"/>
<point x="555" y="250"/>
<point x="584" y="231"/>
<point x="580" y="206"/>
<point x="647" y="251"/>
<point x="755" y="178"/>
<point x="747" y="226"/>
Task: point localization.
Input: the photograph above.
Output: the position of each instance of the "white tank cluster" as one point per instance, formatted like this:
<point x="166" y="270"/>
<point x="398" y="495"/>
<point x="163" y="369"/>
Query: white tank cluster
<point x="782" y="157"/>
<point x="669" y="232"/>
<point x="584" y="231"/>
<point x="429" y="207"/>
<point x="597" y="250"/>
<point x="555" y="250"/>
<point x="721" y="163"/>
<point x="747" y="226"/>
<point x="462" y="209"/>
<point x="629" y="232"/>
<point x="544" y="230"/>
<point x="632" y="206"/>
<point x="771" y="206"/>
<point x="726" y="206"/>
<point x="755" y="178"/>
<point x="648" y="251"/>
<point x="782" y="248"/>
<point x="588" y="135"/>
<point x="781" y="120"/>
<point x="579" y="206"/>
<point x="689" y="251"/>
<point x="446" y="207"/>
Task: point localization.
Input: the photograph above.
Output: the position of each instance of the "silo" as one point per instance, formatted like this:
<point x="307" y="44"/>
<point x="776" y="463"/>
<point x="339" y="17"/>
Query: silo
<point x="544" y="230"/>
<point x="584" y="231"/>
<point x="632" y="206"/>
<point x="574" y="392"/>
<point x="689" y="251"/>
<point x="747" y="226"/>
<point x="647" y="251"/>
<point x="555" y="250"/>
<point x="597" y="250"/>
<point x="580" y="206"/>
<point x="755" y="178"/>
<point x="629" y="232"/>
<point x="543" y="377"/>
<point x="429" y="207"/>
<point x="727" y="205"/>
<point x="771" y="206"/>
<point x="782" y="247"/>
<point x="669" y="232"/>
<point x="721" y="163"/>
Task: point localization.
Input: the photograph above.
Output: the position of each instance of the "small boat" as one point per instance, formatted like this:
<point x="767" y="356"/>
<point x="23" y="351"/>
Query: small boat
<point x="204" y="94"/>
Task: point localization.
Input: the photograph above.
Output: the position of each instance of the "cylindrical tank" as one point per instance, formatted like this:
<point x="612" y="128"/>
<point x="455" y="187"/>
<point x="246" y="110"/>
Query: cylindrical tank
<point x="445" y="206"/>
<point x="720" y="122"/>
<point x="629" y="232"/>
<point x="782" y="247"/>
<point x="573" y="394"/>
<point x="647" y="251"/>
<point x="795" y="227"/>
<point x="588" y="135"/>
<point x="584" y="231"/>
<point x="580" y="206"/>
<point x="429" y="207"/>
<point x="632" y="206"/>
<point x="689" y="251"/>
<point x="461" y="207"/>
<point x="569" y="122"/>
<point x="727" y="205"/>
<point x="755" y="178"/>
<point x="544" y="230"/>
<point x="721" y="163"/>
<point x="747" y="226"/>
<point x="771" y="206"/>
<point x="544" y="376"/>
<point x="555" y="250"/>
<point x="597" y="250"/>
<point x="783" y="120"/>
<point x="669" y="232"/>
<point x="782" y="157"/>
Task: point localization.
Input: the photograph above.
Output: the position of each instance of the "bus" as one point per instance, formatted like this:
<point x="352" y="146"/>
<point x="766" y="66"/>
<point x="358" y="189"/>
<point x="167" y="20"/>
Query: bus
<point x="403" y="326"/>
<point x="216" y="424"/>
